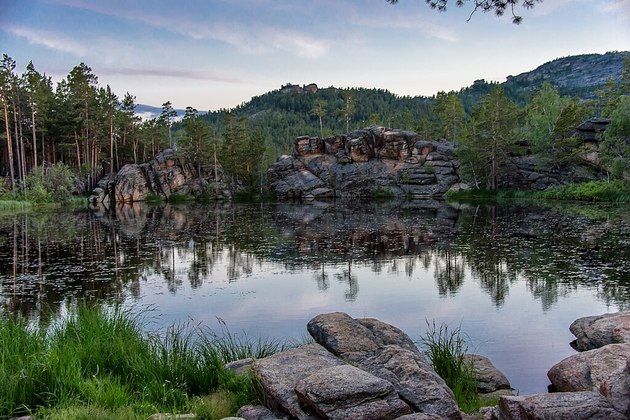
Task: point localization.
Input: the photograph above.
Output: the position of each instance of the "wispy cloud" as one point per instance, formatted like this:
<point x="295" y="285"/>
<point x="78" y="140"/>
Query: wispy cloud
<point x="48" y="39"/>
<point x="207" y="75"/>
<point x="409" y="22"/>
<point x="245" y="37"/>
<point x="621" y="7"/>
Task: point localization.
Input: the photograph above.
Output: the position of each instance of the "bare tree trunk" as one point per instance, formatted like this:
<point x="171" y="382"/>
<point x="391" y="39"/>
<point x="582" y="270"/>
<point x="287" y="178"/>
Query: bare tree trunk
<point x="9" y="143"/>
<point x="111" y="144"/>
<point x="76" y="142"/>
<point x="34" y="137"/>
<point x="321" y="127"/>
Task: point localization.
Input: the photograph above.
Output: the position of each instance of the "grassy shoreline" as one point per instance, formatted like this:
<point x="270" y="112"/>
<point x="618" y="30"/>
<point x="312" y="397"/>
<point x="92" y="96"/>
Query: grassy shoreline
<point x="18" y="205"/>
<point x="593" y="191"/>
<point x="98" y="363"/>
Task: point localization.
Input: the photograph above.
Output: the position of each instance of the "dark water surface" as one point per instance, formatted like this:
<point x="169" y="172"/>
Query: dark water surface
<point x="513" y="276"/>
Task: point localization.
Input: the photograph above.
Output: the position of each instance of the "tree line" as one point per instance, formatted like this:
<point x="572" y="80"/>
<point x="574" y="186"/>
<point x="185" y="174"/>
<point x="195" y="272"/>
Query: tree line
<point x="64" y="138"/>
<point x="80" y="130"/>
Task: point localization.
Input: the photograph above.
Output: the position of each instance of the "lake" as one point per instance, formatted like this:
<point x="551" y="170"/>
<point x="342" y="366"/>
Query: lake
<point x="513" y="276"/>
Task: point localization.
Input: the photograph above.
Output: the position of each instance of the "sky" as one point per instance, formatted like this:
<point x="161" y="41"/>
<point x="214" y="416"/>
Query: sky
<point x="213" y="54"/>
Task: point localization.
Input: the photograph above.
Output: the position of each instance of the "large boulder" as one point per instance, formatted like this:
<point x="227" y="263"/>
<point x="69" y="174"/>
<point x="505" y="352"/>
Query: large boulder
<point x="388" y="353"/>
<point x="604" y="370"/>
<point x="131" y="184"/>
<point x="585" y="405"/>
<point x="346" y="392"/>
<point x="309" y="381"/>
<point x="592" y="332"/>
<point x="280" y="373"/>
<point x="488" y="377"/>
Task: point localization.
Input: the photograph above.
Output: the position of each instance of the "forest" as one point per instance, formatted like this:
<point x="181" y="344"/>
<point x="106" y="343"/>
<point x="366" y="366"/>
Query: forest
<point x="60" y="140"/>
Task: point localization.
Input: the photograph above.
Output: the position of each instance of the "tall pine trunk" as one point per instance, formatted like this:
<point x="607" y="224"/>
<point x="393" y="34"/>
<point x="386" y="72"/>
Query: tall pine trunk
<point x="34" y="137"/>
<point x="9" y="143"/>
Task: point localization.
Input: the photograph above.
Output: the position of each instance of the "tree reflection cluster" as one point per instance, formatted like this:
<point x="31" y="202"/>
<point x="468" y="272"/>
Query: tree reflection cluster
<point x="50" y="259"/>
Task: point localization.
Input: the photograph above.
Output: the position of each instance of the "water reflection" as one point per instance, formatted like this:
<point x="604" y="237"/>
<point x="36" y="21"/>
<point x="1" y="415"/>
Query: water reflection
<point x="50" y="259"/>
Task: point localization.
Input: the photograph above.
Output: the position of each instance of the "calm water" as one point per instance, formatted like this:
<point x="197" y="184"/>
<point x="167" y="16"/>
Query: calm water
<point x="514" y="277"/>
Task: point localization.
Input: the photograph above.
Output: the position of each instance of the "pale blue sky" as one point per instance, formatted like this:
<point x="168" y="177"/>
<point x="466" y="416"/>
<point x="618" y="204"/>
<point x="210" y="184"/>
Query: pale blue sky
<point x="212" y="54"/>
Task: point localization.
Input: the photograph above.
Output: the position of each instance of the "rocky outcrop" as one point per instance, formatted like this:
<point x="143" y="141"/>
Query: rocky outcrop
<point x="163" y="176"/>
<point x="388" y="353"/>
<point x="356" y="394"/>
<point x="367" y="369"/>
<point x="379" y="161"/>
<point x="364" y="163"/>
<point x="308" y="381"/>
<point x="592" y="332"/>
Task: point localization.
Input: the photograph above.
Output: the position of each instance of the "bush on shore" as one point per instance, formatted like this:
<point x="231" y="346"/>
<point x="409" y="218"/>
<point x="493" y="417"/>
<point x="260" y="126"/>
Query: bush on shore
<point x="43" y="186"/>
<point x="98" y="363"/>
<point x="617" y="191"/>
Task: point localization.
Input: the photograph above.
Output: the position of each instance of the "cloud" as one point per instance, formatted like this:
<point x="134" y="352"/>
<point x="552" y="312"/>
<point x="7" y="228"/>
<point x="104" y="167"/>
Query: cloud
<point x="171" y="73"/>
<point x="409" y="22"/>
<point x="620" y="7"/>
<point x="48" y="39"/>
<point x="245" y="37"/>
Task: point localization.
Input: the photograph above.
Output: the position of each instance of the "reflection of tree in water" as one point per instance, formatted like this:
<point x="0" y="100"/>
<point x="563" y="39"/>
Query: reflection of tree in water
<point x="53" y="258"/>
<point x="448" y="272"/>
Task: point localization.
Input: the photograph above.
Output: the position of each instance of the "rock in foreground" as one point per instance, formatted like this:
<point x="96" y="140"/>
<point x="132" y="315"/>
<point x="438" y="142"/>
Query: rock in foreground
<point x="388" y="353"/>
<point x="558" y="406"/>
<point x="488" y="377"/>
<point x="592" y="332"/>
<point x="604" y="370"/>
<point x="346" y="392"/>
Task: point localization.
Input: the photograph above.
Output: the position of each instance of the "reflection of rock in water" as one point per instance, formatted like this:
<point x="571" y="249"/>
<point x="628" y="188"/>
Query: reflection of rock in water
<point x="48" y="259"/>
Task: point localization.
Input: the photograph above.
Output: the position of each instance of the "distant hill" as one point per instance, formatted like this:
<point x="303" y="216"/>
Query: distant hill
<point x="146" y="112"/>
<point x="285" y="113"/>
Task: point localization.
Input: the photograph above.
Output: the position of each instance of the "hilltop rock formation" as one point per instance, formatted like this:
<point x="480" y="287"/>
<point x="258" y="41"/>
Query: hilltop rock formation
<point x="379" y="161"/>
<point x="163" y="176"/>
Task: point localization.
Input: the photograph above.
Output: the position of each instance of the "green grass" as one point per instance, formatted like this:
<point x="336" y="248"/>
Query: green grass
<point x="18" y="205"/>
<point x="594" y="191"/>
<point x="98" y="363"/>
<point x="445" y="348"/>
<point x="180" y="198"/>
<point x="381" y="193"/>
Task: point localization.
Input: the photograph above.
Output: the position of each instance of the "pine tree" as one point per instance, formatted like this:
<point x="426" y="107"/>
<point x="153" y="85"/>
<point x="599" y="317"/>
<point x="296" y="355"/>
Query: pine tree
<point x="5" y="92"/>
<point x="166" y="118"/>
<point x="108" y="102"/>
<point x="319" y="110"/>
<point x="489" y="137"/>
<point x="450" y="115"/>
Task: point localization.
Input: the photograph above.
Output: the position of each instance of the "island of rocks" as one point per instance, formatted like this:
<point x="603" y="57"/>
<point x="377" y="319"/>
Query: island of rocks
<point x="367" y="369"/>
<point x="390" y="162"/>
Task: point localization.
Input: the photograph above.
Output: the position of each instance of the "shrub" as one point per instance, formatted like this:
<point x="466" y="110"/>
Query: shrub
<point x="54" y="183"/>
